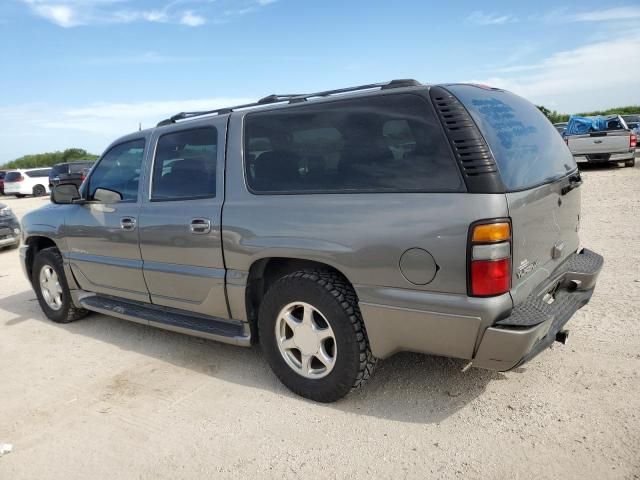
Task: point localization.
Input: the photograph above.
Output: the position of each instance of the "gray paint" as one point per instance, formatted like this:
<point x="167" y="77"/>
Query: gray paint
<point x="404" y="253"/>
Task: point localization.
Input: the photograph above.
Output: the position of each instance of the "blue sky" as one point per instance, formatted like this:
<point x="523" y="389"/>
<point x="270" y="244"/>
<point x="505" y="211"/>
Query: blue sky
<point x="82" y="72"/>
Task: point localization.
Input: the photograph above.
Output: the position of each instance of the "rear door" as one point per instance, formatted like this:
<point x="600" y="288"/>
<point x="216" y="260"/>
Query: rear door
<point x="536" y="167"/>
<point x="180" y="219"/>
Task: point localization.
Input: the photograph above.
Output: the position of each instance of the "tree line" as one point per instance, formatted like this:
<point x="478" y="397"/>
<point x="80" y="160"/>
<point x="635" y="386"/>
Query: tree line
<point x="50" y="158"/>
<point x="556" y="117"/>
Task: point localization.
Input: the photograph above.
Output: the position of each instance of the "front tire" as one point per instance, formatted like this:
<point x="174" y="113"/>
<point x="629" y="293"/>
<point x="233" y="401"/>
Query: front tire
<point x="313" y="336"/>
<point x="52" y="290"/>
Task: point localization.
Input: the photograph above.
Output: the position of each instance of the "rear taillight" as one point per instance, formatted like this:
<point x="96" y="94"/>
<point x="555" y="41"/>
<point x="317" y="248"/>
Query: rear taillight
<point x="633" y="141"/>
<point x="489" y="258"/>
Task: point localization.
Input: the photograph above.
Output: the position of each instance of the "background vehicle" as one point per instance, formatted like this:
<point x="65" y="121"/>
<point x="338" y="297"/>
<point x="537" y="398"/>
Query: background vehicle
<point x="33" y="181"/>
<point x="72" y="172"/>
<point x="2" y="174"/>
<point x="9" y="227"/>
<point x="602" y="140"/>
<point x="561" y="127"/>
<point x="353" y="227"/>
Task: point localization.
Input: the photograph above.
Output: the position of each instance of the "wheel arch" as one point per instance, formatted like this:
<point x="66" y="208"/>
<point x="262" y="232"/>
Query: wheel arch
<point x="35" y="244"/>
<point x="265" y="271"/>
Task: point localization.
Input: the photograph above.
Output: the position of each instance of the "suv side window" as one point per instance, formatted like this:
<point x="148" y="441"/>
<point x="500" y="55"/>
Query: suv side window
<point x="387" y="143"/>
<point x="38" y="173"/>
<point x="119" y="170"/>
<point x="185" y="165"/>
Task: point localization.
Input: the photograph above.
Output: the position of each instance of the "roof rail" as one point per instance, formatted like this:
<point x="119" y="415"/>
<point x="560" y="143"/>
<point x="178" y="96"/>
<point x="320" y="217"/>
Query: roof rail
<point x="291" y="98"/>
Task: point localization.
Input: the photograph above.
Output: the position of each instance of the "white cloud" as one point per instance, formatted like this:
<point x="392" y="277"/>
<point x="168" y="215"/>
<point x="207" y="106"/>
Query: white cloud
<point x="34" y="128"/>
<point x="598" y="75"/>
<point x="481" y="18"/>
<point x="608" y="14"/>
<point x="192" y="20"/>
<point x="192" y="13"/>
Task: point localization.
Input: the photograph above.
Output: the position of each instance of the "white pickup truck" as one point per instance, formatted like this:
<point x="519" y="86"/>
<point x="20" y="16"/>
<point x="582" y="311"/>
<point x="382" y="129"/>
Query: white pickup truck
<point x="615" y="143"/>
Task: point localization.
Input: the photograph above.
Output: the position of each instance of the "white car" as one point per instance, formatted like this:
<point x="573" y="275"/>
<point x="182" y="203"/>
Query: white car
<point x="31" y="181"/>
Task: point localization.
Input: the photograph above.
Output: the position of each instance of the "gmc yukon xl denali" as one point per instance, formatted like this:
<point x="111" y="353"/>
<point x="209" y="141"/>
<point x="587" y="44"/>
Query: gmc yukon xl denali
<point x="333" y="229"/>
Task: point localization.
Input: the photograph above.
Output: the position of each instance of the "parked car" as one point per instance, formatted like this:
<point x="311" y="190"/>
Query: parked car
<point x="560" y="127"/>
<point x="601" y="140"/>
<point x="2" y="174"/>
<point x="72" y="172"/>
<point x="23" y="182"/>
<point x="9" y="228"/>
<point x="293" y="223"/>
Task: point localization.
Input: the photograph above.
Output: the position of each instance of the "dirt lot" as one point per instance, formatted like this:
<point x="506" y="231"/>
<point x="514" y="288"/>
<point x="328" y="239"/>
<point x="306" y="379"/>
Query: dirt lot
<point x="104" y="398"/>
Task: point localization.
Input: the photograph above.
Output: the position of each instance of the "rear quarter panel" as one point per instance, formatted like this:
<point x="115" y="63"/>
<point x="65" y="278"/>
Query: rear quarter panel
<point x="361" y="235"/>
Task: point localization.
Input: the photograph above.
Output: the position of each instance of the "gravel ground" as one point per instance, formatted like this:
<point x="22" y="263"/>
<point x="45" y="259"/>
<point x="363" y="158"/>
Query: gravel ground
<point x="104" y="398"/>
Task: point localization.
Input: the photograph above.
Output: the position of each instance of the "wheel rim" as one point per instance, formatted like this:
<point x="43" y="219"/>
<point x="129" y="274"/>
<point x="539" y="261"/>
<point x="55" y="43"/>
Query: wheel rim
<point x="305" y="340"/>
<point x="50" y="287"/>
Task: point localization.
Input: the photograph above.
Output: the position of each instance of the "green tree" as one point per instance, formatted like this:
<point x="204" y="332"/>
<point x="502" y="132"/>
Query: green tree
<point x="50" y="158"/>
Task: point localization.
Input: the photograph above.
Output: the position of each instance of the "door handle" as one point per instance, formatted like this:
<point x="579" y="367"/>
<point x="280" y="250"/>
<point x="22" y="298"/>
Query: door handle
<point x="128" y="223"/>
<point x="200" y="226"/>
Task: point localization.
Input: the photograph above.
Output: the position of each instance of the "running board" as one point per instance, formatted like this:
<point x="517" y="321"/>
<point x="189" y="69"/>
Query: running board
<point x="213" y="328"/>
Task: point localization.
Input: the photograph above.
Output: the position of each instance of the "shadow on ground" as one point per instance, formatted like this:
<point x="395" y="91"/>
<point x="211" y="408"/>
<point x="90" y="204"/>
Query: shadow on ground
<point x="407" y="387"/>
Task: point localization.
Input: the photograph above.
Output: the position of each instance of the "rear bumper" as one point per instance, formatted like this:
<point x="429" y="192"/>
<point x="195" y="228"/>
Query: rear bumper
<point x="532" y="326"/>
<point x="604" y="158"/>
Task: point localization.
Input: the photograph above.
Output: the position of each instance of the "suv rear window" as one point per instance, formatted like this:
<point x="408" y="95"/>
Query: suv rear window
<point x="526" y="146"/>
<point x="58" y="169"/>
<point x="387" y="143"/>
<point x="12" y="176"/>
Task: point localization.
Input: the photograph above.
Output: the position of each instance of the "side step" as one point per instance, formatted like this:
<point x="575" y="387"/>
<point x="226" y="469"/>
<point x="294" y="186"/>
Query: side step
<point x="213" y="328"/>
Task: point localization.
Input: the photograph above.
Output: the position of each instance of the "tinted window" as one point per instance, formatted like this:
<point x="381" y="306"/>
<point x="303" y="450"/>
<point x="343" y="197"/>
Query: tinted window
<point x="58" y="169"/>
<point x="185" y="165"/>
<point x="38" y="173"/>
<point x="79" y="167"/>
<point x="2" y="174"/>
<point x="119" y="170"/>
<point x="525" y="144"/>
<point x="12" y="176"/>
<point x="389" y="143"/>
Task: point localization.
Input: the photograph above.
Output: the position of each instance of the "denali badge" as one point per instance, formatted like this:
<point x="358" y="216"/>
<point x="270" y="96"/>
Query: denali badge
<point x="526" y="267"/>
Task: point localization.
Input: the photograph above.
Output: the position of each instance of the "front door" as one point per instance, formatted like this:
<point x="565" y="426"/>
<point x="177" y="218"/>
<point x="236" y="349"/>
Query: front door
<point x="180" y="219"/>
<point x="102" y="234"/>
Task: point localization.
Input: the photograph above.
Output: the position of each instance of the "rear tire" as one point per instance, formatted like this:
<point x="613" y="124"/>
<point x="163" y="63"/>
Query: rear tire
<point x="342" y="344"/>
<point x="18" y="195"/>
<point x="630" y="163"/>
<point x="52" y="290"/>
<point x="39" y="191"/>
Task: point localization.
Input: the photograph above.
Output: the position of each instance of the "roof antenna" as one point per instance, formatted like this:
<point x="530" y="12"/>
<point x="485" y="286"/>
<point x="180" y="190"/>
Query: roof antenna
<point x="139" y="126"/>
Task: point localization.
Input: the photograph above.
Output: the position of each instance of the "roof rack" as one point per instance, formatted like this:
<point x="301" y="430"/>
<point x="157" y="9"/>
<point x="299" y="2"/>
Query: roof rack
<point x="291" y="98"/>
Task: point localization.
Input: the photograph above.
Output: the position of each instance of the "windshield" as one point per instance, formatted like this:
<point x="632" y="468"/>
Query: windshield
<point x="525" y="144"/>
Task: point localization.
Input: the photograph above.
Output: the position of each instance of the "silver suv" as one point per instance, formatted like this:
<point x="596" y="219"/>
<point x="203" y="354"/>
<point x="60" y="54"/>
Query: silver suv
<point x="333" y="228"/>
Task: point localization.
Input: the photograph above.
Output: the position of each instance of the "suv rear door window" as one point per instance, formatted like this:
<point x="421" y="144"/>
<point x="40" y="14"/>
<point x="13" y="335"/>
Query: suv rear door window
<point x="525" y="144"/>
<point x="119" y="170"/>
<point x="185" y="165"/>
<point x="12" y="177"/>
<point x="386" y="143"/>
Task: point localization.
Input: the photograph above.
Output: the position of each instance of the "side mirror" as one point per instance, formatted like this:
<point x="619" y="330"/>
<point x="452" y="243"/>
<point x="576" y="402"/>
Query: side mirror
<point x="64" y="194"/>
<point x="104" y="195"/>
